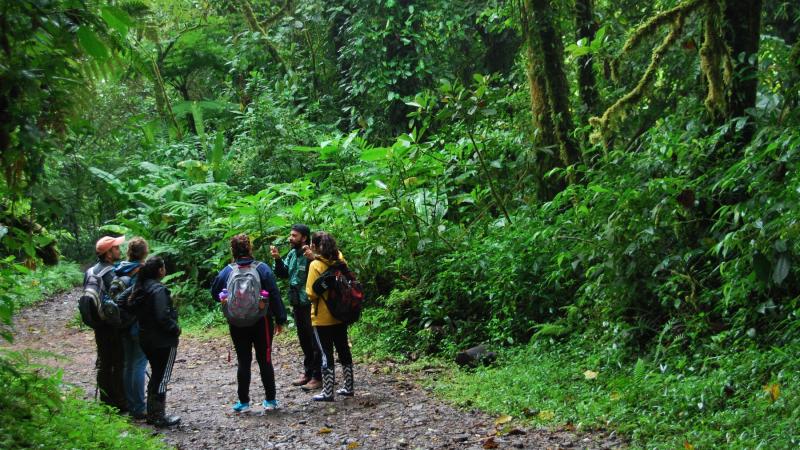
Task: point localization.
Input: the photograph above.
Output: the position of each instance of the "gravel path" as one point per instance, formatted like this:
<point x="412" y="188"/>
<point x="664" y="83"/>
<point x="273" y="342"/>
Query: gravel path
<point x="389" y="410"/>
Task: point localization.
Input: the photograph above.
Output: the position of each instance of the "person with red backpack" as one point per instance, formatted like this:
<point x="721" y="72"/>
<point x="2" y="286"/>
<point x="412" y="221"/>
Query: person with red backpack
<point x="329" y="332"/>
<point x="250" y="301"/>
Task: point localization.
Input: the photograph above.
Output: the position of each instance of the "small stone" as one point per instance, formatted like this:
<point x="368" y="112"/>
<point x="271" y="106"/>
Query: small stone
<point x="461" y="438"/>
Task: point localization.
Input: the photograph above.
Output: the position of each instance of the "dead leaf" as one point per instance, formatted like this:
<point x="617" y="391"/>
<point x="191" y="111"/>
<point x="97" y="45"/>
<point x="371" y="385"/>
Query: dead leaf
<point x="352" y="445"/>
<point x="687" y="445"/>
<point x="590" y="374"/>
<point x="774" y="391"/>
<point x="324" y="430"/>
<point x="546" y="415"/>
<point x="615" y="395"/>
<point x="505" y="418"/>
<point x="490" y="443"/>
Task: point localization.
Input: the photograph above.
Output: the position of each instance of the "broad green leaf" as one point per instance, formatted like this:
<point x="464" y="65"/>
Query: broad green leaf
<point x="781" y="270"/>
<point x="300" y="148"/>
<point x="374" y="154"/>
<point x="116" y="19"/>
<point x="91" y="43"/>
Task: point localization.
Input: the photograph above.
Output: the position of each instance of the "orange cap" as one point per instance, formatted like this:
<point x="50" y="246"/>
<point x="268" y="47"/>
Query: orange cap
<point x="105" y="243"/>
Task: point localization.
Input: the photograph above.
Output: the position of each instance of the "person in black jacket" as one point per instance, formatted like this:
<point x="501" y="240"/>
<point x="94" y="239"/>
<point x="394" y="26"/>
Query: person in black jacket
<point x="158" y="336"/>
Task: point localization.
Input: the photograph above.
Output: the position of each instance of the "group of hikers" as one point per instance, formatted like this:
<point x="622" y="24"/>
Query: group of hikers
<point x="136" y="323"/>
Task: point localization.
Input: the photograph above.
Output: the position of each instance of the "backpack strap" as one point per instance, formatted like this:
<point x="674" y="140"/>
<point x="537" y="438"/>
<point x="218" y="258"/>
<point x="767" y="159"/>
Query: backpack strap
<point x="102" y="272"/>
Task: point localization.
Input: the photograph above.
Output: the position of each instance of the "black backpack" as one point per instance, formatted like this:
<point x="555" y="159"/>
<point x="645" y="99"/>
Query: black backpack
<point x="345" y="294"/>
<point x="94" y="293"/>
<point x="116" y="308"/>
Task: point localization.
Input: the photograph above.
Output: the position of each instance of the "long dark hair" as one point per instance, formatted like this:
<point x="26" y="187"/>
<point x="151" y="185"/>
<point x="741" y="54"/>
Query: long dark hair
<point x="326" y="245"/>
<point x="149" y="271"/>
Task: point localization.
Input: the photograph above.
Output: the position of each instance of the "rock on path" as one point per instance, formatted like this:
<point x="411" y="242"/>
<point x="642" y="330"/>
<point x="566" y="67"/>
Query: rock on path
<point x="388" y="411"/>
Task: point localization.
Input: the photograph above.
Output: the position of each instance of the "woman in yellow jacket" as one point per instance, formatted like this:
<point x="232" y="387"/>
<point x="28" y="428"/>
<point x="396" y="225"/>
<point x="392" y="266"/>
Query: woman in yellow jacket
<point x="329" y="332"/>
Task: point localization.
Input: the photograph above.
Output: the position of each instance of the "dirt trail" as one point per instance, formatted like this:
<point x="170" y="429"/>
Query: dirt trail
<point x="388" y="411"/>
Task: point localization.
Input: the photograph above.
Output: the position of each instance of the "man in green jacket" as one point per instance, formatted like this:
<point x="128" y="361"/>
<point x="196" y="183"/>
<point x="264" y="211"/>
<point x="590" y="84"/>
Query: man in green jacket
<point x="294" y="267"/>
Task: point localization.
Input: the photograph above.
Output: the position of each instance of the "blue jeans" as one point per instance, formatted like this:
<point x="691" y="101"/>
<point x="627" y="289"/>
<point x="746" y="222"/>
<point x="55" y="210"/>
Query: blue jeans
<point x="133" y="374"/>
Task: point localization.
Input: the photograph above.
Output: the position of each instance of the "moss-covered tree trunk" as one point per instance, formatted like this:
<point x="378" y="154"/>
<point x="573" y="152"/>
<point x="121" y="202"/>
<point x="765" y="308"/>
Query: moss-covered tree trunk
<point x="586" y="29"/>
<point x="742" y="33"/>
<point x="549" y="90"/>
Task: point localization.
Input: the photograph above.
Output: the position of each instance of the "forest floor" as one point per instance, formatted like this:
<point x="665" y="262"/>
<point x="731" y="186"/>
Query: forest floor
<point x="390" y="409"/>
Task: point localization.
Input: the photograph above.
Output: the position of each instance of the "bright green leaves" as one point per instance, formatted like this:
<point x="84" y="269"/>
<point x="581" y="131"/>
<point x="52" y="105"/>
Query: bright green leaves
<point x="374" y="154"/>
<point x="93" y="46"/>
<point x="117" y="19"/>
<point x="584" y="47"/>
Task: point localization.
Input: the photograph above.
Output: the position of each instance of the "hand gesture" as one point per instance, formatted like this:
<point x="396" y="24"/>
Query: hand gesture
<point x="308" y="253"/>
<point x="274" y="251"/>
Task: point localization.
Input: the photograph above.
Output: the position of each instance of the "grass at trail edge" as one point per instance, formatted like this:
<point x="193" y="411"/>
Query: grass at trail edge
<point x="737" y="399"/>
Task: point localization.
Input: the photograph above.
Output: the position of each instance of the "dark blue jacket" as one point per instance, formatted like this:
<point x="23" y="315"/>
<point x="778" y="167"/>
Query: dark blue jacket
<point x="276" y="309"/>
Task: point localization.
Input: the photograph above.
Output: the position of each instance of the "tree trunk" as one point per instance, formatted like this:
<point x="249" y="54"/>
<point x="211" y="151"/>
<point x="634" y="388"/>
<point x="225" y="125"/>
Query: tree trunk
<point x="549" y="88"/>
<point x="742" y="33"/>
<point x="586" y="29"/>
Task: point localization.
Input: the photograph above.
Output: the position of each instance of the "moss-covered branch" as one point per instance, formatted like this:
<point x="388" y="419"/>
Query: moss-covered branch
<point x="651" y="27"/>
<point x="614" y="112"/>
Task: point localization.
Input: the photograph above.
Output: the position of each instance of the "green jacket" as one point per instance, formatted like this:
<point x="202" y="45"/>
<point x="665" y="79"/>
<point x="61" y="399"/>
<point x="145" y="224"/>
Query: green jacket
<point x="295" y="268"/>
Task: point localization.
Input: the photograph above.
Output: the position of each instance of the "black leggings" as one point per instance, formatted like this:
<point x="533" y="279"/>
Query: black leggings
<point x="331" y="336"/>
<point x="161" y="360"/>
<point x="245" y="339"/>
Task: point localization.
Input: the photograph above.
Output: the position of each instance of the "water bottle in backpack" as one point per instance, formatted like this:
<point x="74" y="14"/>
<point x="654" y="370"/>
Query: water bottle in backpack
<point x="244" y="294"/>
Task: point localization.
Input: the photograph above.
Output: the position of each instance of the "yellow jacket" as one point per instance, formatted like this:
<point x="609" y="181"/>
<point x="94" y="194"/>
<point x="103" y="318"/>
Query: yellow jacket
<point x="320" y="316"/>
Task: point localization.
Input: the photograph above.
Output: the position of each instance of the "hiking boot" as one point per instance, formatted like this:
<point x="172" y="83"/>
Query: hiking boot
<point x="165" y="421"/>
<point x="240" y="407"/>
<point x="312" y="385"/>
<point x="347" y="390"/>
<point x="302" y="381"/>
<point x="139" y="416"/>
<point x="155" y="412"/>
<point x="327" y="387"/>
<point x="270" y="405"/>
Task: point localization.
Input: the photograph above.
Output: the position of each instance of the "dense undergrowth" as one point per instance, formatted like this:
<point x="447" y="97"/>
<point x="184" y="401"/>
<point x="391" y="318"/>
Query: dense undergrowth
<point x="432" y="149"/>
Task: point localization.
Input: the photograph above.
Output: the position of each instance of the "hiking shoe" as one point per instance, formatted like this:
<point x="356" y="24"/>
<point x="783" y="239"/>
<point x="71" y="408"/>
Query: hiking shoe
<point x="321" y="397"/>
<point x="312" y="385"/>
<point x="270" y="405"/>
<point x="240" y="407"/>
<point x="302" y="381"/>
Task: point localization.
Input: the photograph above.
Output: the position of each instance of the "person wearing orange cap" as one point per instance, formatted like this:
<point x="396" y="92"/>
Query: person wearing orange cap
<point x="110" y="361"/>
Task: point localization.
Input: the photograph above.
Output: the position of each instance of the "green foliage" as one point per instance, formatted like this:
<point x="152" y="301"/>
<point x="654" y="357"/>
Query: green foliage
<point x="42" y="79"/>
<point x="21" y="287"/>
<point x="36" y="411"/>
<point x="404" y="129"/>
<point x="742" y="399"/>
<point x="45" y="282"/>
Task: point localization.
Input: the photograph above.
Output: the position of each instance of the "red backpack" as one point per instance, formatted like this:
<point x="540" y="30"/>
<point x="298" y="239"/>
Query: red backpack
<point x="345" y="294"/>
